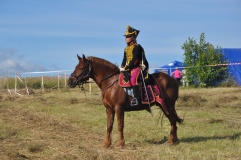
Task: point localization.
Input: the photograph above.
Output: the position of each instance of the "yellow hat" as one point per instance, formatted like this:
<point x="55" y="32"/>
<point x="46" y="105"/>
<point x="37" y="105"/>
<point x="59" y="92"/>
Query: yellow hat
<point x="131" y="32"/>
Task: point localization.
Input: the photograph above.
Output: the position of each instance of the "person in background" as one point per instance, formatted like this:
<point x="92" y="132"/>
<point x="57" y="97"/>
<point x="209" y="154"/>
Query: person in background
<point x="134" y="61"/>
<point x="177" y="74"/>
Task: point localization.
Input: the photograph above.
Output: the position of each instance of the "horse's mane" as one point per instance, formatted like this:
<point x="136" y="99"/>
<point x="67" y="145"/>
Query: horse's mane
<point x="104" y="62"/>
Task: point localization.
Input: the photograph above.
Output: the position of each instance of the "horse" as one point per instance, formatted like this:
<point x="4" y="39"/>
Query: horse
<point x="117" y="101"/>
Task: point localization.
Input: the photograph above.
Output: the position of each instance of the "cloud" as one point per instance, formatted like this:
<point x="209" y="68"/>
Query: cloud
<point x="12" y="62"/>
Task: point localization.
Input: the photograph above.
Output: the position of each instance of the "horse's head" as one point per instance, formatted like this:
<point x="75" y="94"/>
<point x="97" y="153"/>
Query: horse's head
<point x="81" y="73"/>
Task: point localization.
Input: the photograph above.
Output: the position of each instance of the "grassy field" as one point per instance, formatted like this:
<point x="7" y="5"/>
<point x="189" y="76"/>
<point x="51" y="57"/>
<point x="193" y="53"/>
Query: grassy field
<point x="69" y="125"/>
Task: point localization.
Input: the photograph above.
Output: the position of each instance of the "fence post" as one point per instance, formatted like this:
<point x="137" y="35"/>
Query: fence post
<point x="90" y="87"/>
<point x="42" y="84"/>
<point x="15" y="85"/>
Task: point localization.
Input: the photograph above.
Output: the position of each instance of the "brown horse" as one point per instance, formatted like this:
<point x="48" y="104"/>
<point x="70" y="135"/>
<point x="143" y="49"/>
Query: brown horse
<point x="116" y="100"/>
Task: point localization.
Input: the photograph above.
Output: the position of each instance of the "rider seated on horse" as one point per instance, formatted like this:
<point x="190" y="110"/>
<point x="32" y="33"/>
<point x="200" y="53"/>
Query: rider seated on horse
<point x="134" y="61"/>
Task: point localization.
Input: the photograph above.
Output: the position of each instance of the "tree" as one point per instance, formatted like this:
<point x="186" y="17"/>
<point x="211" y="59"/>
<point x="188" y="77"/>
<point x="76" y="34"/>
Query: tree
<point x="201" y="61"/>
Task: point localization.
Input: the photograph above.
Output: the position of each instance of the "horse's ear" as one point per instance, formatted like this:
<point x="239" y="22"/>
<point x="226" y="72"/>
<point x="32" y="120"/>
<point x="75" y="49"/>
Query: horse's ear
<point x="78" y="57"/>
<point x="84" y="57"/>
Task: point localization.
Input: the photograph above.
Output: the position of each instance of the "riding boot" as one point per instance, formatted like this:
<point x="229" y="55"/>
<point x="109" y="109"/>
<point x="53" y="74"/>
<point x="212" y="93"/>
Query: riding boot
<point x="137" y="96"/>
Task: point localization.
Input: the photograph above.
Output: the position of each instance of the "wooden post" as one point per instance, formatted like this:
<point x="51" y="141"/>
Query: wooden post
<point x="90" y="87"/>
<point x="65" y="80"/>
<point x="42" y="84"/>
<point x="15" y="90"/>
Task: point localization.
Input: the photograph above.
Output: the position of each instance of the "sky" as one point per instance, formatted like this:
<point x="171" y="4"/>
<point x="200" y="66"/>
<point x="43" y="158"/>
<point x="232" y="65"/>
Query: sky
<point x="46" y="35"/>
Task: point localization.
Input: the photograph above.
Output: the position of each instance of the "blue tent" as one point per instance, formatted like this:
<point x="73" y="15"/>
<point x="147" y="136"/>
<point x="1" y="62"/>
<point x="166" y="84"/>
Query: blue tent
<point x="169" y="68"/>
<point x="233" y="55"/>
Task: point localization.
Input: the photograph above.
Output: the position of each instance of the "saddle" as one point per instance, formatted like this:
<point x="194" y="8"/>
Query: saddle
<point x="151" y="90"/>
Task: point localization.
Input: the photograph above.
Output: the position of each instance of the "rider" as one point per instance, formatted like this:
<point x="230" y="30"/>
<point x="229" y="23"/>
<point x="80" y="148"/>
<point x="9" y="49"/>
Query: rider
<point x="134" y="61"/>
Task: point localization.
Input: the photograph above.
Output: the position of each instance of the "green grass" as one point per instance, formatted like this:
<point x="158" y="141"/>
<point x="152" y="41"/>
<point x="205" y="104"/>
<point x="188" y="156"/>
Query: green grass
<point x="69" y="125"/>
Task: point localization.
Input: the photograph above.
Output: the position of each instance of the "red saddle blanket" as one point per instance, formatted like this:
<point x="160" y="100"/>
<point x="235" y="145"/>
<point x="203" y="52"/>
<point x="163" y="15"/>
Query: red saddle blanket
<point x="124" y="79"/>
<point x="147" y="94"/>
<point x="151" y="92"/>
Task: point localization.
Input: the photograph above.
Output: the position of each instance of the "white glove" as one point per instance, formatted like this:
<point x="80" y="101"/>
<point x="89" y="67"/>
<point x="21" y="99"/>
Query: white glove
<point x="143" y="67"/>
<point x="122" y="69"/>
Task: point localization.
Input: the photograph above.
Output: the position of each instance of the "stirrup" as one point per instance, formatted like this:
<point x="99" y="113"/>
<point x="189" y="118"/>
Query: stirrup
<point x="134" y="101"/>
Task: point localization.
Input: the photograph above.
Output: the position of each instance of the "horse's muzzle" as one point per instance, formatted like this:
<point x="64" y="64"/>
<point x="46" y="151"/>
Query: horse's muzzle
<point x="71" y="83"/>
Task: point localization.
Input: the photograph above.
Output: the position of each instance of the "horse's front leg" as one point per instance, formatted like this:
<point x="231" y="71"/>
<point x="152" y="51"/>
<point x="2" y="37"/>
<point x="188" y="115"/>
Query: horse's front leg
<point x="120" y="120"/>
<point x="110" y="120"/>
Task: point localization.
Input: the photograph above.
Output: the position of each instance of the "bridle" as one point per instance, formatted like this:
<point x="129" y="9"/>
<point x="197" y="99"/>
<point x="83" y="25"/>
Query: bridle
<point x="85" y="75"/>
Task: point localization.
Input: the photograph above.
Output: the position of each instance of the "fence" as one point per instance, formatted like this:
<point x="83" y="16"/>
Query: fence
<point x="36" y="79"/>
<point x="24" y="83"/>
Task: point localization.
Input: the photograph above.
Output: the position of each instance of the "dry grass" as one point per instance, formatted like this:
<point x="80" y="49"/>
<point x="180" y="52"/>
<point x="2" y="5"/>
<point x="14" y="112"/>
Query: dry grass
<point x="68" y="125"/>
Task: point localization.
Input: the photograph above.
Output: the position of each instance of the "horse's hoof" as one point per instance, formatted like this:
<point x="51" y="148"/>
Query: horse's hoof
<point x="106" y="145"/>
<point x="172" y="143"/>
<point x="120" y="145"/>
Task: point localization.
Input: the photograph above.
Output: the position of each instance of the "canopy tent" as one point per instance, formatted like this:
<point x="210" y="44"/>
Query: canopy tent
<point x="233" y="55"/>
<point x="169" y="68"/>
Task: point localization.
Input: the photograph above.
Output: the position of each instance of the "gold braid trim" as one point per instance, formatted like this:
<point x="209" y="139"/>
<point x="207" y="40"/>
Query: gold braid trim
<point x="129" y="54"/>
<point x="127" y="31"/>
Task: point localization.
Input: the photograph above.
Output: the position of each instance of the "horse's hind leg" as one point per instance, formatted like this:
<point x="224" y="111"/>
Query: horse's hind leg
<point x="110" y="120"/>
<point x="173" y="118"/>
<point x="173" y="133"/>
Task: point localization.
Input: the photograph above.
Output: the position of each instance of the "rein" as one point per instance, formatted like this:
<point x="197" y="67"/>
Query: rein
<point x="108" y="77"/>
<point x="103" y="91"/>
